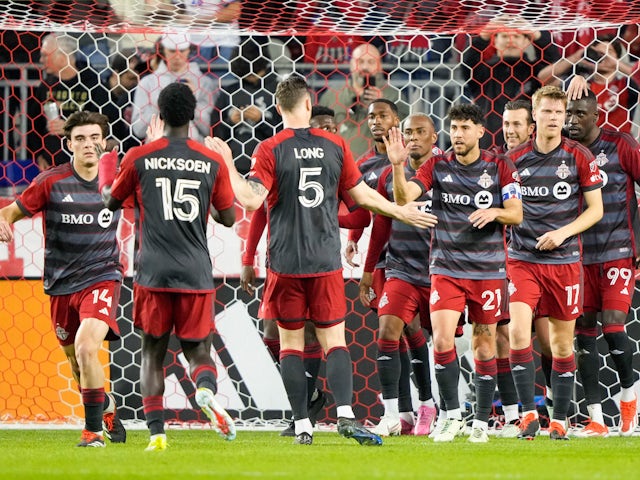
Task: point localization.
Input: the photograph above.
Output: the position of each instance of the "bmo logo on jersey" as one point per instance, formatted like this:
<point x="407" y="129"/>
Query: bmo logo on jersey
<point x="308" y="152"/>
<point x="455" y="198"/>
<point x="104" y="218"/>
<point x="483" y="199"/>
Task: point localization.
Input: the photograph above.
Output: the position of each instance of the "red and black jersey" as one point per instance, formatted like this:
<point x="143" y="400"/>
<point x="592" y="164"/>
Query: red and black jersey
<point x="80" y="233"/>
<point x="458" y="249"/>
<point x="304" y="170"/>
<point x="552" y="186"/>
<point x="175" y="181"/>
<point x="613" y="238"/>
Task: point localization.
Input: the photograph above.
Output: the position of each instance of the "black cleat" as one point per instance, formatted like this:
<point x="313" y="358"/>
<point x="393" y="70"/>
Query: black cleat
<point x="316" y="406"/>
<point x="112" y="426"/>
<point x="303" y="438"/>
<point x="290" y="431"/>
<point x="351" y="428"/>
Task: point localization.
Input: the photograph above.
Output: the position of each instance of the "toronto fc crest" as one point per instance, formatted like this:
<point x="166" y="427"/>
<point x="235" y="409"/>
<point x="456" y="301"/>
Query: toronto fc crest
<point x="485" y="180"/>
<point x="563" y="171"/>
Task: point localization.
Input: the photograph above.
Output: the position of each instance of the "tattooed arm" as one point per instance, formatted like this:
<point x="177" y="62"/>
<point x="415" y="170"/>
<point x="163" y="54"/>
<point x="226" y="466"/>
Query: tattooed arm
<point x="249" y="193"/>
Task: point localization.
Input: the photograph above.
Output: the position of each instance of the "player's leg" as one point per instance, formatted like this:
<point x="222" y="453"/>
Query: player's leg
<point x="524" y="293"/>
<point x="405" y="402"/>
<point x="316" y="398"/>
<point x="389" y="367"/>
<point x="202" y="371"/>
<point x="541" y="326"/>
<point x="561" y="334"/>
<point x="621" y="350"/>
<point x="153" y="351"/>
<point x="506" y="386"/>
<point x="419" y="351"/>
<point x="588" y="363"/>
<point x="448" y="299"/>
<point x="271" y="338"/>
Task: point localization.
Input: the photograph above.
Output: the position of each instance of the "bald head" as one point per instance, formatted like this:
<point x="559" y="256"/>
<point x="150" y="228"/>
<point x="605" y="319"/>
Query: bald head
<point x="365" y="60"/>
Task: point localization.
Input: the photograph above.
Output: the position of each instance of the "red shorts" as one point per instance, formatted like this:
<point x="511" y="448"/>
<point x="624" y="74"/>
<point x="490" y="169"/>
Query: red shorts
<point x="191" y="315"/>
<point x="404" y="300"/>
<point x="609" y="285"/>
<point x="550" y="290"/>
<point x="99" y="300"/>
<point x="291" y="300"/>
<point x="482" y="297"/>
<point x="377" y="287"/>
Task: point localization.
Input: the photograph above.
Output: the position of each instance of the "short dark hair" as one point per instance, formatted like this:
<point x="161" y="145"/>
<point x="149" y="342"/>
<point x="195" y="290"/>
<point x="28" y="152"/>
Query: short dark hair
<point x="393" y="106"/>
<point x="177" y="104"/>
<point x="78" y="119"/>
<point x="318" y="110"/>
<point x="520" y="104"/>
<point x="291" y="91"/>
<point x="467" y="111"/>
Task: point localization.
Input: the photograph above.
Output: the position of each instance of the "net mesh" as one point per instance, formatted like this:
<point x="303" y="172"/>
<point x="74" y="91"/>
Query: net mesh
<point x="432" y="54"/>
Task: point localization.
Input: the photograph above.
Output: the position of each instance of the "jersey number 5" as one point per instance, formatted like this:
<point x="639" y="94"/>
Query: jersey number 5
<point x="306" y="184"/>
<point x="179" y="196"/>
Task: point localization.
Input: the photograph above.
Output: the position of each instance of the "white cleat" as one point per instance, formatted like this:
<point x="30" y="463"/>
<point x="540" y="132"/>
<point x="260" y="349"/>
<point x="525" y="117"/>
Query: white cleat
<point x="389" y="426"/>
<point x="450" y="430"/>
<point x="220" y="419"/>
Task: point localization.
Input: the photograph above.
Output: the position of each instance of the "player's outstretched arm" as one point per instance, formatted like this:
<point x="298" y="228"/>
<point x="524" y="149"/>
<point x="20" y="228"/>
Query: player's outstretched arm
<point x="9" y="215"/>
<point x="249" y="193"/>
<point x="409" y="213"/>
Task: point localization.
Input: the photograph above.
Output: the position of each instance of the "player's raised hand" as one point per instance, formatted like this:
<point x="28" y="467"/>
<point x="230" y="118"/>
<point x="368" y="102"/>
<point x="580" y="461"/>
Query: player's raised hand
<point x="221" y="148"/>
<point x="397" y="151"/>
<point x="107" y="167"/>
<point x="155" y="130"/>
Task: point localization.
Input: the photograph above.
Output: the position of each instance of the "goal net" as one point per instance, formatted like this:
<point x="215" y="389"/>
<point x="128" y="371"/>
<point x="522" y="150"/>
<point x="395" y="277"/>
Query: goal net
<point x="433" y="54"/>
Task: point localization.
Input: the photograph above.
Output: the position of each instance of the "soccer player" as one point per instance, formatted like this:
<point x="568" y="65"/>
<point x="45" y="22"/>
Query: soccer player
<point x="557" y="175"/>
<point x="300" y="172"/>
<point x="475" y="193"/>
<point x="404" y="300"/>
<point x="82" y="271"/>
<point x="324" y="119"/>
<point x="517" y="128"/>
<point x="609" y="259"/>
<point x="176" y="181"/>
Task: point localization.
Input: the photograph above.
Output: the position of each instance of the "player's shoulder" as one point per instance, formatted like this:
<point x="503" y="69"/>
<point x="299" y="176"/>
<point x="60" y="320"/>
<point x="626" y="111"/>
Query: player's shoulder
<point x="53" y="174"/>
<point x="619" y="138"/>
<point x="520" y="150"/>
<point x="575" y="148"/>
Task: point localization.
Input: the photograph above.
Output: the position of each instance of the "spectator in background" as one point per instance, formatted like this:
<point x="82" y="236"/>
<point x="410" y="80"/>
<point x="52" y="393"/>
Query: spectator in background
<point x="501" y="66"/>
<point x="64" y="90"/>
<point x="219" y="17"/>
<point x="125" y="70"/>
<point x="245" y="112"/>
<point x="175" y="67"/>
<point x="366" y="83"/>
<point x="609" y="76"/>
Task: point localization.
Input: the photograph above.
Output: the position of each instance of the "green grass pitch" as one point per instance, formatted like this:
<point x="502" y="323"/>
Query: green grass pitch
<point x="195" y="454"/>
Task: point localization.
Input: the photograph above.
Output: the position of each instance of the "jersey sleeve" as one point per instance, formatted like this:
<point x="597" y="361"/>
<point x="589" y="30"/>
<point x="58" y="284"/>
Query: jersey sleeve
<point x="424" y="176"/>
<point x="380" y="233"/>
<point x="36" y="196"/>
<point x="350" y="175"/>
<point x="509" y="179"/>
<point x="256" y="227"/>
<point x="126" y="178"/>
<point x="589" y="175"/>
<point x="222" y="196"/>
<point x="629" y="151"/>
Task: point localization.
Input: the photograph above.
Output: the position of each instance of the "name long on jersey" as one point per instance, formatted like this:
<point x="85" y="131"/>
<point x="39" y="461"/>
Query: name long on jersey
<point x="459" y="249"/>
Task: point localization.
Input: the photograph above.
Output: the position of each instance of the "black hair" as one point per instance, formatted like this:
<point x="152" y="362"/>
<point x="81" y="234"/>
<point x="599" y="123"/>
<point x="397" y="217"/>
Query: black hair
<point x="393" y="106"/>
<point x="520" y="104"/>
<point x="318" y="110"/>
<point x="78" y="119"/>
<point x="467" y="111"/>
<point x="177" y="104"/>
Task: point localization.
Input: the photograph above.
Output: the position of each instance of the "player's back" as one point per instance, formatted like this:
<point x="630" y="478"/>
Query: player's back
<point x="177" y="181"/>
